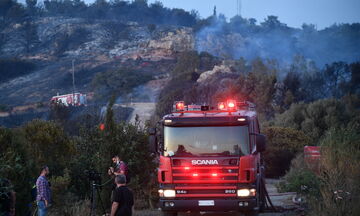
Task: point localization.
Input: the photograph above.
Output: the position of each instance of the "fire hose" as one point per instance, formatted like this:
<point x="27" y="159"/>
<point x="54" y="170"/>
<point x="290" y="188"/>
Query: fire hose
<point x="268" y="204"/>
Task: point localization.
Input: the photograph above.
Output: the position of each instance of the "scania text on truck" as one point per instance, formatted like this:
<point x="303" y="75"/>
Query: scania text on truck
<point x="210" y="159"/>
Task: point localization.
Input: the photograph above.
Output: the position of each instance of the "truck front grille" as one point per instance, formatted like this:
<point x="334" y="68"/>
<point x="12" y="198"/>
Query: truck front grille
<point x="206" y="174"/>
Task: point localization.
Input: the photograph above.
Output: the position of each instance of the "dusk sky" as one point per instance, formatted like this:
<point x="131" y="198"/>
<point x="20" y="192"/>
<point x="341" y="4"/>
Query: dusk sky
<point x="322" y="13"/>
<point x="294" y="13"/>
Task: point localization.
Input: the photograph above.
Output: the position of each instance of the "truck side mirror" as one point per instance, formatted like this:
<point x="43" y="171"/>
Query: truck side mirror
<point x="152" y="140"/>
<point x="260" y="142"/>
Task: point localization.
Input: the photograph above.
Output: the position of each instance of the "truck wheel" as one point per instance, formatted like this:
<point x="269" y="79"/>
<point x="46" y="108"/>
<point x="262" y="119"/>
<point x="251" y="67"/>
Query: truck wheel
<point x="164" y="213"/>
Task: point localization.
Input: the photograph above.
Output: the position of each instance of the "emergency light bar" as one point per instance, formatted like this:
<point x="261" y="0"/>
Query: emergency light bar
<point x="229" y="105"/>
<point x="179" y="106"/>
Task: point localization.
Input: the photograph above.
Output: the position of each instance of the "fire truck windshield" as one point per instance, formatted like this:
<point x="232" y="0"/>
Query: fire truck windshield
<point x="206" y="141"/>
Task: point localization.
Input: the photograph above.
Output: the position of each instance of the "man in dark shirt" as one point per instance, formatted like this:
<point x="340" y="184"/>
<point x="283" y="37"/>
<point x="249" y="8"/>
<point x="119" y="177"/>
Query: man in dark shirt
<point x="123" y="198"/>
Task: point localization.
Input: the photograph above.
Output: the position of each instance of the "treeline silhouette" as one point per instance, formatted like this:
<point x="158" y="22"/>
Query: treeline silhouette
<point x="138" y="11"/>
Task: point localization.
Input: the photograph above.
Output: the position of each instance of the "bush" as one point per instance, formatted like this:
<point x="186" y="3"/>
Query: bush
<point x="282" y="146"/>
<point x="14" y="167"/>
<point x="339" y="173"/>
<point x="335" y="190"/>
<point x="300" y="179"/>
<point x="316" y="118"/>
<point x="60" y="188"/>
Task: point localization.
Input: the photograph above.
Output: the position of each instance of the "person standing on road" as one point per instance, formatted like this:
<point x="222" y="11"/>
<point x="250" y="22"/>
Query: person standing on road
<point x="43" y="196"/>
<point x="123" y="198"/>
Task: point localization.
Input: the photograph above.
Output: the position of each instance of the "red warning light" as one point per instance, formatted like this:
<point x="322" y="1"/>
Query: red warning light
<point x="221" y="106"/>
<point x="102" y="127"/>
<point x="231" y="104"/>
<point x="179" y="105"/>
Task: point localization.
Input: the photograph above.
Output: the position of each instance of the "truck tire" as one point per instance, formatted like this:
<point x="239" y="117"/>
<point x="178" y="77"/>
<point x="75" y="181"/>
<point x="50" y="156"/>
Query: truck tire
<point x="166" y="213"/>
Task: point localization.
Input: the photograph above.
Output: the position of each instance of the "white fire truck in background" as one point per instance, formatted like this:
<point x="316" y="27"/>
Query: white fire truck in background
<point x="75" y="99"/>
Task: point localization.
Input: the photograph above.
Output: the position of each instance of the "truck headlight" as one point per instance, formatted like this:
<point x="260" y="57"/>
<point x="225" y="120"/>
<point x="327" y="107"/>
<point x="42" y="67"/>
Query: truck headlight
<point x="246" y="192"/>
<point x="167" y="193"/>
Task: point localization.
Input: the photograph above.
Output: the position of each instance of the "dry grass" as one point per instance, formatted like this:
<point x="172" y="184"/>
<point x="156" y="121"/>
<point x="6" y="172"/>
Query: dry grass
<point x="80" y="208"/>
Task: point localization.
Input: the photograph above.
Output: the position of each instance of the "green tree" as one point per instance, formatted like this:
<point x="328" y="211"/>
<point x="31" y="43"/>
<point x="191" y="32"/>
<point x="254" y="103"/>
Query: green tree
<point x="14" y="166"/>
<point x="355" y="78"/>
<point x="337" y="77"/>
<point x="258" y="86"/>
<point x="31" y="7"/>
<point x="47" y="144"/>
<point x="10" y="11"/>
<point x="129" y="142"/>
<point x="272" y="22"/>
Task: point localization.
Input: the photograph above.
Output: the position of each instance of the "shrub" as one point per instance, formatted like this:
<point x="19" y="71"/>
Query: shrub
<point x="316" y="118"/>
<point x="334" y="191"/>
<point x="59" y="188"/>
<point x="14" y="167"/>
<point x="300" y="179"/>
<point x="339" y="173"/>
<point x="282" y="146"/>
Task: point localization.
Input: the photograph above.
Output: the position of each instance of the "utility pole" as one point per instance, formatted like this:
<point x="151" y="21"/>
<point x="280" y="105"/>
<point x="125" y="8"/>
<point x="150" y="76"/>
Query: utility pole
<point x="73" y="78"/>
<point x="238" y="6"/>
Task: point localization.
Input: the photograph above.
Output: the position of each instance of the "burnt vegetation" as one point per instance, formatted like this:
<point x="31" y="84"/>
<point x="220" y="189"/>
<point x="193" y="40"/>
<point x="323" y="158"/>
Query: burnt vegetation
<point x="11" y="68"/>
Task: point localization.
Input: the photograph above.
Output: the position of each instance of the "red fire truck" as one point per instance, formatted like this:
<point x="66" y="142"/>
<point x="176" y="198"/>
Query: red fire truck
<point x="210" y="159"/>
<point x="75" y="99"/>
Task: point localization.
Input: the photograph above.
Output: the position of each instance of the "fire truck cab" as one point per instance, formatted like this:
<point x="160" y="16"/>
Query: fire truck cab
<point x="210" y="159"/>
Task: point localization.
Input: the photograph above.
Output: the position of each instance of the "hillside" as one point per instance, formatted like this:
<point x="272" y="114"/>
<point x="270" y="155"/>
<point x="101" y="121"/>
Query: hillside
<point x="118" y="47"/>
<point x="94" y="47"/>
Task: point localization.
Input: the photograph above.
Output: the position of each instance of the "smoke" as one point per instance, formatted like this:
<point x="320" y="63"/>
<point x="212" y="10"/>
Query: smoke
<point x="274" y="40"/>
